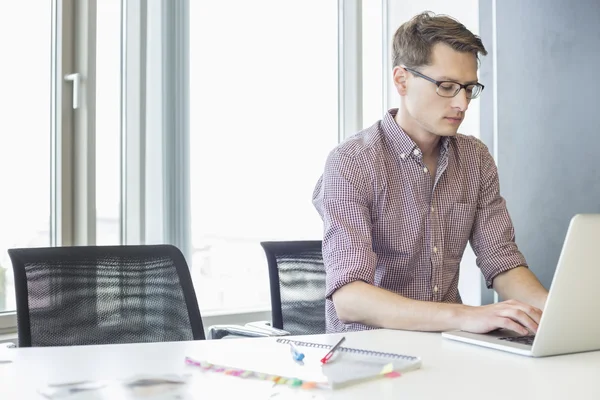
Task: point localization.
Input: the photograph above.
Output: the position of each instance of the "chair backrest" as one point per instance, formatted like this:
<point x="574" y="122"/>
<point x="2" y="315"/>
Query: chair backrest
<point x="104" y="294"/>
<point x="297" y="280"/>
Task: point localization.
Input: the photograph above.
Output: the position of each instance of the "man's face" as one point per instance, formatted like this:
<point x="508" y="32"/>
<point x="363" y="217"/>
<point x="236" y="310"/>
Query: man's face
<point x="435" y="114"/>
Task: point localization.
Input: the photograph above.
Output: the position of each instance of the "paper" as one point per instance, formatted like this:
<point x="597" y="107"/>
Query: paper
<point x="349" y="369"/>
<point x="162" y="387"/>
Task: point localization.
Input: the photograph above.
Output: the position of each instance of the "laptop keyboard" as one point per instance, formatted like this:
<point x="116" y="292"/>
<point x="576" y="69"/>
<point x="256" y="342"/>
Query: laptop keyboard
<point x="519" y="339"/>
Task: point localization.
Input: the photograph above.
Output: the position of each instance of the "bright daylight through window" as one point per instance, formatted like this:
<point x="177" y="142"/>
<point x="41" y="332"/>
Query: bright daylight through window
<point x="263" y="116"/>
<point x="25" y="138"/>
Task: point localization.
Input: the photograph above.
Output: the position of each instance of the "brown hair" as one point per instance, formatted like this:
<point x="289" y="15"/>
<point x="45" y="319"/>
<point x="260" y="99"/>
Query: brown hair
<point x="414" y="39"/>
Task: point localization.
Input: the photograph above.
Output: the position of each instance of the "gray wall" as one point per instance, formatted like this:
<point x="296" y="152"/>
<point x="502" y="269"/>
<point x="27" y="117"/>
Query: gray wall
<point x="548" y="118"/>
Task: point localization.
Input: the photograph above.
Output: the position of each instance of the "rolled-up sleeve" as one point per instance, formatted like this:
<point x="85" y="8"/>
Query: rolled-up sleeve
<point x="493" y="235"/>
<point x="343" y="199"/>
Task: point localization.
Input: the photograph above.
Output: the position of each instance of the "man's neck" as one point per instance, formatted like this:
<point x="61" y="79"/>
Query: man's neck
<point x="427" y="142"/>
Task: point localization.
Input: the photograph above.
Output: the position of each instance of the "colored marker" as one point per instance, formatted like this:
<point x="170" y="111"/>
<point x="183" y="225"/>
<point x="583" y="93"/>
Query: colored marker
<point x="296" y="354"/>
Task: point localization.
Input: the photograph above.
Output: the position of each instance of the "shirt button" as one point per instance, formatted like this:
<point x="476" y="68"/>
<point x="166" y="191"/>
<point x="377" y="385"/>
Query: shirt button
<point x="403" y="156"/>
<point x="435" y="288"/>
<point x="416" y="152"/>
<point x="425" y="170"/>
<point x="432" y="209"/>
<point x="434" y="249"/>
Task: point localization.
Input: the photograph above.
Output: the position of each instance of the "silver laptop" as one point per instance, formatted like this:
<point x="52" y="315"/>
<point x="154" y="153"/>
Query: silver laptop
<point x="571" y="319"/>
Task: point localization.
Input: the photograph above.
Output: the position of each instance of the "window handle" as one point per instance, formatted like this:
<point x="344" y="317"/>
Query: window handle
<point x="76" y="79"/>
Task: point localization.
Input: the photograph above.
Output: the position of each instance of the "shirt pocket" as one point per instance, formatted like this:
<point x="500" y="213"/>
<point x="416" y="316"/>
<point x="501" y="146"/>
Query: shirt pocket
<point x="459" y="227"/>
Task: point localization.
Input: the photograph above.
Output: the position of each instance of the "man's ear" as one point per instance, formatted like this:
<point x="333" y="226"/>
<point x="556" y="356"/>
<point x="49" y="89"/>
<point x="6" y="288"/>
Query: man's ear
<point x="399" y="76"/>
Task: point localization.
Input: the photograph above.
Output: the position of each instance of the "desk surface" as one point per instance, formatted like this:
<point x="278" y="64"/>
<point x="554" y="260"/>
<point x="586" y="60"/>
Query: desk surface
<point x="450" y="370"/>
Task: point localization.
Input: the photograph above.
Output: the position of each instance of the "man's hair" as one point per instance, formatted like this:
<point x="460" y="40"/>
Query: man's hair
<point x="414" y="39"/>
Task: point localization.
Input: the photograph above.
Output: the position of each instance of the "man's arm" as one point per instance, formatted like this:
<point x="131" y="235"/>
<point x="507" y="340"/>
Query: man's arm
<point x="522" y="285"/>
<point x="370" y="305"/>
<point x="493" y="241"/>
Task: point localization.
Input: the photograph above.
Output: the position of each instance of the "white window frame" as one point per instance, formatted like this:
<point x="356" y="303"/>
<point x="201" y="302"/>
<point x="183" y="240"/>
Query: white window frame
<point x="133" y="122"/>
<point x="350" y="113"/>
<point x="155" y="124"/>
<point x="175" y="110"/>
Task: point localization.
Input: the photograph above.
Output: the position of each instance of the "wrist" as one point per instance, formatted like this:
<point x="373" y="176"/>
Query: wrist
<point x="461" y="316"/>
<point x="456" y="316"/>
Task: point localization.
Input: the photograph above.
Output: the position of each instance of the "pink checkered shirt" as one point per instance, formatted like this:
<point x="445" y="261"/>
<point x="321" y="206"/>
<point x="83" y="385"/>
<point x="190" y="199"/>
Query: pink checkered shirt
<point x="388" y="224"/>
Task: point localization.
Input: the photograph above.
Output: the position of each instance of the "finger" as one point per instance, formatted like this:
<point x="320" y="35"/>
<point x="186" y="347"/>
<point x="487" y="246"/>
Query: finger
<point x="509" y="324"/>
<point x="533" y="312"/>
<point x="521" y="318"/>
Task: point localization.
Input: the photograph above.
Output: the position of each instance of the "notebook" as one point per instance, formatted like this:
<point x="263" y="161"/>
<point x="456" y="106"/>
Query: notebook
<point x="275" y="363"/>
<point x="353" y="365"/>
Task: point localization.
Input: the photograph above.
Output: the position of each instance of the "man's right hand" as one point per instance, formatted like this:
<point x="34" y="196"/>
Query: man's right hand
<point x="511" y="314"/>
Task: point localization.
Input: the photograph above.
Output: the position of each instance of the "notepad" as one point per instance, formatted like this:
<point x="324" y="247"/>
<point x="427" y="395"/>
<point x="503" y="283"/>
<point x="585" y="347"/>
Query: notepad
<point x="353" y="365"/>
<point x="274" y="362"/>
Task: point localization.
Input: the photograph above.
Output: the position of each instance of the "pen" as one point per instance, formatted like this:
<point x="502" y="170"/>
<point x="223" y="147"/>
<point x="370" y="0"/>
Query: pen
<point x="333" y="349"/>
<point x="296" y="354"/>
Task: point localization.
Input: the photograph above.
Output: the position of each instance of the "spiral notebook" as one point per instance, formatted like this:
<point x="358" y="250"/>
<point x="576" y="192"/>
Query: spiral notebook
<point x="271" y="360"/>
<point x="353" y="365"/>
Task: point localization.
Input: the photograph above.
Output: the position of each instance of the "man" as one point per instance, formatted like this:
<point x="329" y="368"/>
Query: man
<point x="401" y="199"/>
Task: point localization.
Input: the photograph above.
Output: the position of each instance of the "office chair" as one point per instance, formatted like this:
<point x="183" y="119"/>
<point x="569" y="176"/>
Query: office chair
<point x="297" y="282"/>
<point x="104" y="294"/>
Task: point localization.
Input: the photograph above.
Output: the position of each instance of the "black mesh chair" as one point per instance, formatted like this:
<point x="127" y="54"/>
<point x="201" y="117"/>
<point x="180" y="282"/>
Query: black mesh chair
<point x="104" y="294"/>
<point x="297" y="280"/>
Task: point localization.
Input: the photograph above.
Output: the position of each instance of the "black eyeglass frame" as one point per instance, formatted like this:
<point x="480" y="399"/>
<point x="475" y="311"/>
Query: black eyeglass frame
<point x="439" y="83"/>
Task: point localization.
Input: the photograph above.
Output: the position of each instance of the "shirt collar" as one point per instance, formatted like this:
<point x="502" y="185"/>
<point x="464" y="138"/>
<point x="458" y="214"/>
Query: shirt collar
<point x="403" y="144"/>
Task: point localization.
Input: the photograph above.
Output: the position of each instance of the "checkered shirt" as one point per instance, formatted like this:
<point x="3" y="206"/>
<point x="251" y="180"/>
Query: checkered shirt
<point x="388" y="223"/>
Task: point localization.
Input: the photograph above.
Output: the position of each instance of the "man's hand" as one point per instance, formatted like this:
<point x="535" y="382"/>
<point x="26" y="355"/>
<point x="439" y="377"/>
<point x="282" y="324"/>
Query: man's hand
<point x="511" y="314"/>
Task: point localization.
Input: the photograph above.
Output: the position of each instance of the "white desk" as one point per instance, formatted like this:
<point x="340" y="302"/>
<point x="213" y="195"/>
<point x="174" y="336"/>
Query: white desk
<point x="450" y="370"/>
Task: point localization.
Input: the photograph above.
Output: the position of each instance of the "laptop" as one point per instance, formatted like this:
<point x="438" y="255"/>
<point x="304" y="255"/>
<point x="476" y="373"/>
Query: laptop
<point x="571" y="319"/>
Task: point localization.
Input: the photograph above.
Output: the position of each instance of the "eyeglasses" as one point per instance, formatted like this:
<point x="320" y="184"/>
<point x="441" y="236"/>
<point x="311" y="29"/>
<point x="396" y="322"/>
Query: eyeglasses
<point x="450" y="88"/>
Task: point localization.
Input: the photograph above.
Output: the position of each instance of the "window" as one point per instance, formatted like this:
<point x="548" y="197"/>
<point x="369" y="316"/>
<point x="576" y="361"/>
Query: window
<point x="47" y="175"/>
<point x="26" y="134"/>
<point x="263" y="117"/>
<point x="264" y="111"/>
